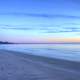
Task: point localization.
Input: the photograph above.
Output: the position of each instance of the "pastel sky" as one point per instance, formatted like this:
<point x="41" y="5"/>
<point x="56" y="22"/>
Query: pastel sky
<point x="31" y="21"/>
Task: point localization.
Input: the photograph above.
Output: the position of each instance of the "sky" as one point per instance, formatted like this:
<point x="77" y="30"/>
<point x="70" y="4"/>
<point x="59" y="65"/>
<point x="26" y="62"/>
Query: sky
<point x="40" y="21"/>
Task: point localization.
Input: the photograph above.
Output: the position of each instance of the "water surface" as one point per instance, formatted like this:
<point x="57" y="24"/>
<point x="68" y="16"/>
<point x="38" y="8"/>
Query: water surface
<point x="61" y="51"/>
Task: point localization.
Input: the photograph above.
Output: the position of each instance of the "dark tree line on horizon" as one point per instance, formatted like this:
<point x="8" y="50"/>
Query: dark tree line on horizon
<point x="1" y="42"/>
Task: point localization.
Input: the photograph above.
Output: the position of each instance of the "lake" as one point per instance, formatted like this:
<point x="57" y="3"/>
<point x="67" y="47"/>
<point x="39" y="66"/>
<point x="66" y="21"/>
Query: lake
<point x="60" y="51"/>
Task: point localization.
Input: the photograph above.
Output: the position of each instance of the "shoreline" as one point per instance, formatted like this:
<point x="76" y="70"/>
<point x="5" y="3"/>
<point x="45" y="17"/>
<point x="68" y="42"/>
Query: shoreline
<point x="46" y="59"/>
<point x="21" y="66"/>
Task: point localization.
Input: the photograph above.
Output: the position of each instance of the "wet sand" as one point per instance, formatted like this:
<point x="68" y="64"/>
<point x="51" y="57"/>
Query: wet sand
<point x="19" y="66"/>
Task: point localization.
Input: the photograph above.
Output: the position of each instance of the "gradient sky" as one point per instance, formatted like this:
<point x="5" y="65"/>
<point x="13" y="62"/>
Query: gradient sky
<point x="40" y="20"/>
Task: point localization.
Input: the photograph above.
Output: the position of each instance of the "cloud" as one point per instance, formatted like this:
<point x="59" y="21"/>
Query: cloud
<point x="42" y="15"/>
<point x="60" y="31"/>
<point x="66" y="27"/>
<point x="29" y="26"/>
<point x="15" y="27"/>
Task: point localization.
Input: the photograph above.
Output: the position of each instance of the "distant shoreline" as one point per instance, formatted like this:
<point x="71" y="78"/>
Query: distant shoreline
<point x="1" y="42"/>
<point x="39" y="43"/>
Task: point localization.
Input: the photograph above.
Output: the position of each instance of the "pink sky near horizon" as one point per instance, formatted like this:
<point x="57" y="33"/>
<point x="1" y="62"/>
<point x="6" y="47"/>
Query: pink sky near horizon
<point x="42" y="39"/>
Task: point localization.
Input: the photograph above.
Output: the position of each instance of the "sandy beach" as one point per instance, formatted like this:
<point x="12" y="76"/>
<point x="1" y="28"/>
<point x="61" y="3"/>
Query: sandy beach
<point x="19" y="66"/>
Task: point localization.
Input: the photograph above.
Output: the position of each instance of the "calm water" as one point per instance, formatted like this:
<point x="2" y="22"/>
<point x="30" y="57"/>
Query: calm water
<point x="62" y="51"/>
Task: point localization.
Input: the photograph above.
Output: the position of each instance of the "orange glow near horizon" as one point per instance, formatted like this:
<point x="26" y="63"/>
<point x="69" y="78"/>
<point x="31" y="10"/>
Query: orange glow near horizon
<point x="43" y="39"/>
<point x="72" y="39"/>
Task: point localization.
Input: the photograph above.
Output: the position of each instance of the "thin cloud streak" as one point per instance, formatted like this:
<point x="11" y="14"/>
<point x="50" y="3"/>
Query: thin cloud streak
<point x="43" y="28"/>
<point x="42" y="15"/>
